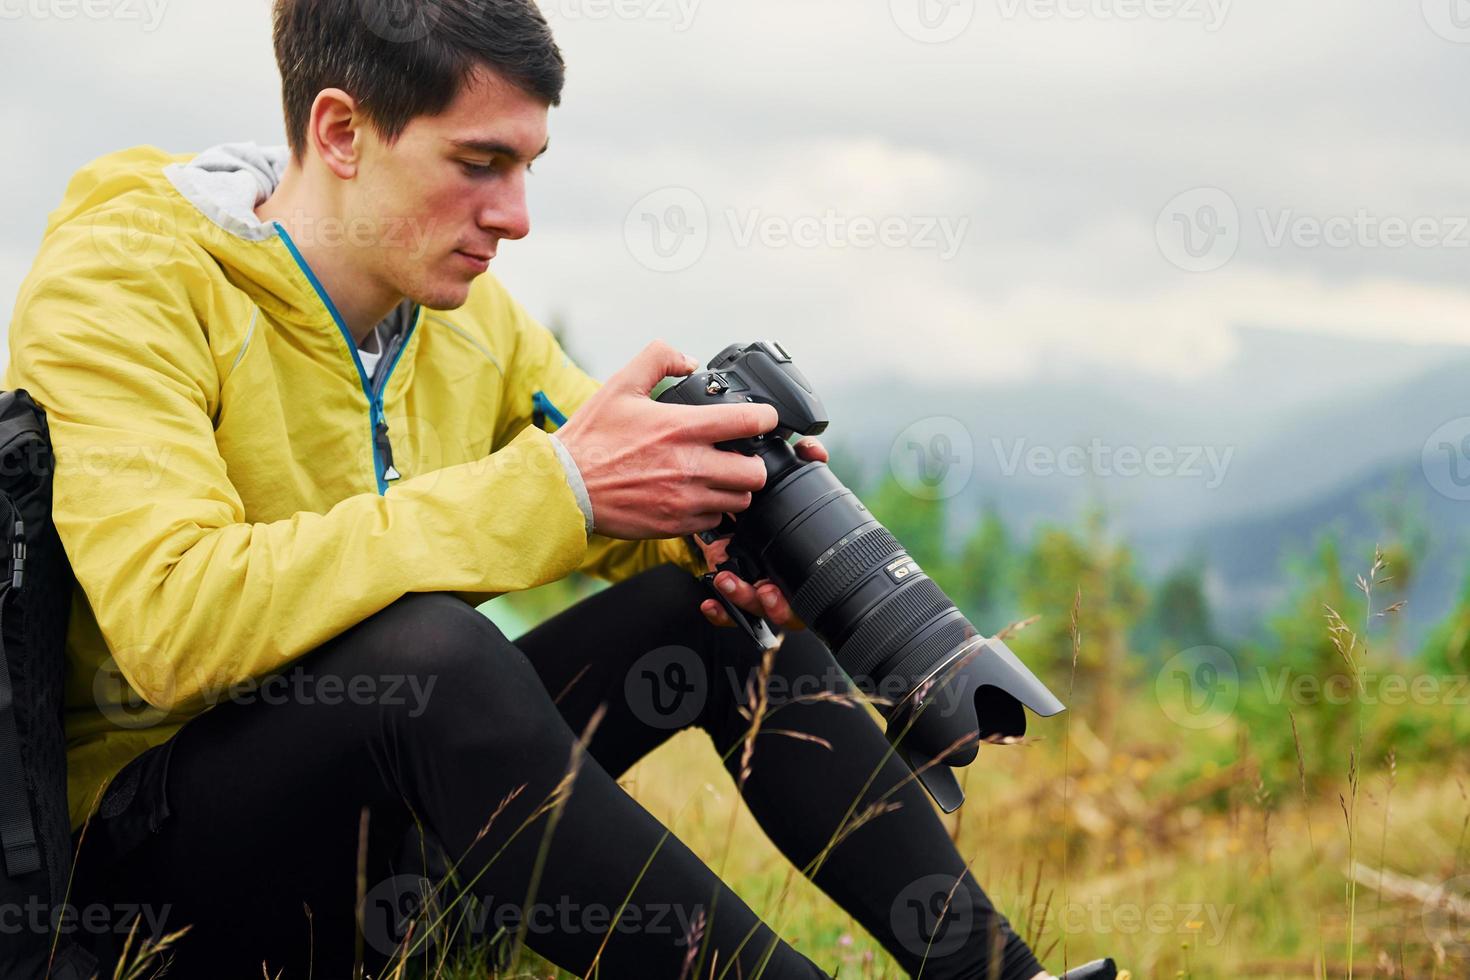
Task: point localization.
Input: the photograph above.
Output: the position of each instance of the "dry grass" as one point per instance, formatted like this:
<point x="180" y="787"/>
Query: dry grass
<point x="1132" y="849"/>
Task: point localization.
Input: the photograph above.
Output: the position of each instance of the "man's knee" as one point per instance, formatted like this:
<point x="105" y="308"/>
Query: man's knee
<point x="456" y="674"/>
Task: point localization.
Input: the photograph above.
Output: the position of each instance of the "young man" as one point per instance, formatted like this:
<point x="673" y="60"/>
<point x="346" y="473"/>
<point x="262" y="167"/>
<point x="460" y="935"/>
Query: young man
<point x="300" y="434"/>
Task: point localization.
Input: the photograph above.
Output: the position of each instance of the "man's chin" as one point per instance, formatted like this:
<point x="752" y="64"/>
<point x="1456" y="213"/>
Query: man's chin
<point x="444" y="297"/>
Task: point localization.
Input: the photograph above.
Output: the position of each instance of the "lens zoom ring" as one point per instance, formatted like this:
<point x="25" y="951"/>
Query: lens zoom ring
<point x="851" y="563"/>
<point x="900" y="618"/>
<point x="936" y="646"/>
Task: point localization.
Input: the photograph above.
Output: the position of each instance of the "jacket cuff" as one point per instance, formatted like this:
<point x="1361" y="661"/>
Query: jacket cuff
<point x="574" y="480"/>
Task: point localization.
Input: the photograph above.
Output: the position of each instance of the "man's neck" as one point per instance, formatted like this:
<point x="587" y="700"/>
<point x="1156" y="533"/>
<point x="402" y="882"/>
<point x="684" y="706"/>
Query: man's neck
<point x="361" y="302"/>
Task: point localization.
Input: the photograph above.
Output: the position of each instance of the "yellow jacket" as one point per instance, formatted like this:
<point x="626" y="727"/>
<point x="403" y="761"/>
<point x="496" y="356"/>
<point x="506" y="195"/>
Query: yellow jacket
<point x="218" y="487"/>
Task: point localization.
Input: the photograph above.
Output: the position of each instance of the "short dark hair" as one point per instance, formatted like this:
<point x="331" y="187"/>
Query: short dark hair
<point x="406" y="58"/>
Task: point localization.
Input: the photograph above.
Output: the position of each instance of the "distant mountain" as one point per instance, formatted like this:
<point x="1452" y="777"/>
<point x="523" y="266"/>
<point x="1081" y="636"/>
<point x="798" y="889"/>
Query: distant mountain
<point x="1247" y="560"/>
<point x="1298" y="435"/>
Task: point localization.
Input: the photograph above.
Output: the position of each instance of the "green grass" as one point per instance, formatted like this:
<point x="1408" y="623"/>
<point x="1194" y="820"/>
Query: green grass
<point x="1182" y="853"/>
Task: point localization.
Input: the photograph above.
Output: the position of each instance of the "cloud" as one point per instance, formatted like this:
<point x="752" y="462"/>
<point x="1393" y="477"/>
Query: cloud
<point x="1048" y="142"/>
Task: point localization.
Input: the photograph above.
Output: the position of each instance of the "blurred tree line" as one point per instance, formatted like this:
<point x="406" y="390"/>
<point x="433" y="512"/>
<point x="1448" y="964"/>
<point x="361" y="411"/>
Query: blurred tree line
<point x="1294" y="698"/>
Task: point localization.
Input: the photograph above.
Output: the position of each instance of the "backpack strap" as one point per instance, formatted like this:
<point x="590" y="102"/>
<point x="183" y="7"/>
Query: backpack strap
<point x="73" y="963"/>
<point x="23" y="425"/>
<point x="17" y="829"/>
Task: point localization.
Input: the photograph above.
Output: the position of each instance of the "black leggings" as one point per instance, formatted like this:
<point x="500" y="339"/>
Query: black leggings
<point x="246" y="824"/>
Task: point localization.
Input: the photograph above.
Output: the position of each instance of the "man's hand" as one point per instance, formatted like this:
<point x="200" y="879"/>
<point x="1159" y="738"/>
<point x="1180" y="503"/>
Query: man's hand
<point x="762" y="598"/>
<point x="651" y="469"/>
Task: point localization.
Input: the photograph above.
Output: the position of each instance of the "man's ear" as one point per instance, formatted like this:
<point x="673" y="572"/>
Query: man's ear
<point x="334" y="128"/>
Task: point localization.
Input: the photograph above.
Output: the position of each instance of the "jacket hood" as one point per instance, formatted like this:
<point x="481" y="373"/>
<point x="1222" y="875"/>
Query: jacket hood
<point x="227" y="182"/>
<point x="164" y="200"/>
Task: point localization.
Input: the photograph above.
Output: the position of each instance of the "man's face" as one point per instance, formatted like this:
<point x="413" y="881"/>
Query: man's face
<point x="448" y="190"/>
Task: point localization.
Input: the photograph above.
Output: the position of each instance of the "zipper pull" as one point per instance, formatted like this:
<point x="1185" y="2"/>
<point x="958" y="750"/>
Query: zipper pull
<point x="385" y="451"/>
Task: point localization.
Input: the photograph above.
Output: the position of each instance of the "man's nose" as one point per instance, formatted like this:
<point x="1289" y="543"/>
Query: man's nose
<point x="505" y="211"/>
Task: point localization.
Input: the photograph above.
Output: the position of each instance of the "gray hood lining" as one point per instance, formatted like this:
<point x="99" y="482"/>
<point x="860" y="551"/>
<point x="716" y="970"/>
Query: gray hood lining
<point x="227" y="182"/>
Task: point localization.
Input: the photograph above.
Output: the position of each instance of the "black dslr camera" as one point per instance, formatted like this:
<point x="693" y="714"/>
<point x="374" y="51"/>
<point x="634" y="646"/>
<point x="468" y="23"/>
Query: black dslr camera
<point x="891" y="628"/>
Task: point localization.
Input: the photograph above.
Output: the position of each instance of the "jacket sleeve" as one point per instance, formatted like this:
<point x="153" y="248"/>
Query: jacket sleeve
<point x="539" y="366"/>
<point x="191" y="596"/>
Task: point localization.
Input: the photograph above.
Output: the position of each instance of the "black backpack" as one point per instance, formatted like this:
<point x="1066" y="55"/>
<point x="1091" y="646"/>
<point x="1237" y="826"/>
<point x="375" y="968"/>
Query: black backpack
<point x="35" y="601"/>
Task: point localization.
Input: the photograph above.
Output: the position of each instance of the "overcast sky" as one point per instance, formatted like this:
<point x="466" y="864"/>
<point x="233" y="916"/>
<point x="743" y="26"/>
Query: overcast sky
<point x="968" y="188"/>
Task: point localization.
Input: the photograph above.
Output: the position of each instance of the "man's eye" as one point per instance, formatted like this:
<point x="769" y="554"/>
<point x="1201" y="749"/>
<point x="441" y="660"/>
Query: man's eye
<point x="487" y="169"/>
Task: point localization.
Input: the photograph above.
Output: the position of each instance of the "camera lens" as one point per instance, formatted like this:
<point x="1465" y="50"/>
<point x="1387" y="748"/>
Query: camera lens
<point x="887" y="622"/>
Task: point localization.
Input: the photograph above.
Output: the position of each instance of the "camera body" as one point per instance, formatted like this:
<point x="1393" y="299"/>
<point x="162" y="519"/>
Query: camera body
<point x="941" y="686"/>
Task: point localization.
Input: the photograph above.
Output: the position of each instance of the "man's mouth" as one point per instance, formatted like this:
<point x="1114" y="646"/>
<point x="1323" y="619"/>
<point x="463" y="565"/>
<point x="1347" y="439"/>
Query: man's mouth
<point x="479" y="261"/>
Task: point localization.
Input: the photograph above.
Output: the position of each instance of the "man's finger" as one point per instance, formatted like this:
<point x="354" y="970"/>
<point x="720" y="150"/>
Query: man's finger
<point x="652" y="364"/>
<point x="739" y="591"/>
<point x="812" y="448"/>
<point x="719" y="423"/>
<point x="715" y="613"/>
<point x="732" y="471"/>
<point x="774" y="605"/>
<point x="724" y="501"/>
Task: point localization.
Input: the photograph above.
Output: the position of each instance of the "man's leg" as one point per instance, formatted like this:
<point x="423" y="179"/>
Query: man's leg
<point x="423" y="708"/>
<point x="643" y="649"/>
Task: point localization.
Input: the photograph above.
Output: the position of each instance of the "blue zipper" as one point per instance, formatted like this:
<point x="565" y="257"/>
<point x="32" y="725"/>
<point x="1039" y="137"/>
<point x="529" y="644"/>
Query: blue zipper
<point x="377" y="421"/>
